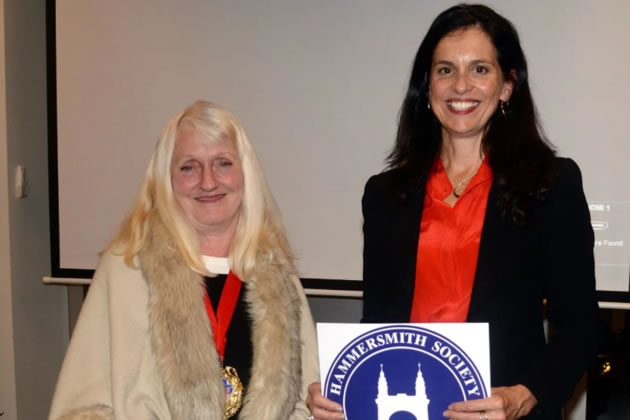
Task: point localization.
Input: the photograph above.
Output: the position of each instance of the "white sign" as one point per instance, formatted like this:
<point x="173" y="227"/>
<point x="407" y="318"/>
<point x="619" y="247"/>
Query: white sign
<point x="376" y="370"/>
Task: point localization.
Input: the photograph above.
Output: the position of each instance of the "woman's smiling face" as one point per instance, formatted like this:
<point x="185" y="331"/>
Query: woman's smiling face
<point x="207" y="182"/>
<point x="466" y="83"/>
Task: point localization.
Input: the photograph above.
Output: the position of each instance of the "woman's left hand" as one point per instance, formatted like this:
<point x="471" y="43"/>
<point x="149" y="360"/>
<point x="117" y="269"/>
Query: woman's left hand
<point x="506" y="403"/>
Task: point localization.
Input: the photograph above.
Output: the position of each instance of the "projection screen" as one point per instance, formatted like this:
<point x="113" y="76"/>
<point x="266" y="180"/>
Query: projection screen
<point x="318" y="86"/>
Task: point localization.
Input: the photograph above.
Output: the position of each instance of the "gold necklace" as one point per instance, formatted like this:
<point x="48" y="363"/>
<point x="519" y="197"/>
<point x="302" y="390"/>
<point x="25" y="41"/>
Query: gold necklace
<point x="460" y="183"/>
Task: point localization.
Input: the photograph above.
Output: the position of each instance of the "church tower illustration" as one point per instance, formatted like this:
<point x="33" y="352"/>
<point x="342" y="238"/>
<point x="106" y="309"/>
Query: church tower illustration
<point x="417" y="404"/>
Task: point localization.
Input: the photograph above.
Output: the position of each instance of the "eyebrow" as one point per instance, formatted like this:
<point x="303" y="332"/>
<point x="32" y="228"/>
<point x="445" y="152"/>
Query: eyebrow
<point x="474" y="62"/>
<point x="220" y="155"/>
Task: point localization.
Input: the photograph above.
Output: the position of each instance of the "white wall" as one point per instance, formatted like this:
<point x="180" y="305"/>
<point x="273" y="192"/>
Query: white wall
<point x="38" y="312"/>
<point x="7" y="378"/>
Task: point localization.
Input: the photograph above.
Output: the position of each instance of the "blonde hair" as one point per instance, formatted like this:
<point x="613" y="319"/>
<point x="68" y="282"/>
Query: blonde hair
<point x="259" y="232"/>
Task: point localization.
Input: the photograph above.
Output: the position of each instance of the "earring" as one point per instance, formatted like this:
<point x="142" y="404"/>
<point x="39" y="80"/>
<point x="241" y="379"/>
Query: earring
<point x="428" y="105"/>
<point x="503" y="105"/>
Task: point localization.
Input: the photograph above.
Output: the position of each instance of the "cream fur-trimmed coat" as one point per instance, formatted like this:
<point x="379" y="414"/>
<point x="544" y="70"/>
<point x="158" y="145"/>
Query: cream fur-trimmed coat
<point x="142" y="347"/>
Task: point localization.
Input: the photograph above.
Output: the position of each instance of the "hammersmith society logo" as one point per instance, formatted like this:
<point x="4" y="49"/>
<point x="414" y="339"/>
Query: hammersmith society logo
<point x="401" y="372"/>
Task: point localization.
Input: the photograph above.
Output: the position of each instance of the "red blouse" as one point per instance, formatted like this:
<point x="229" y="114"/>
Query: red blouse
<point x="448" y="247"/>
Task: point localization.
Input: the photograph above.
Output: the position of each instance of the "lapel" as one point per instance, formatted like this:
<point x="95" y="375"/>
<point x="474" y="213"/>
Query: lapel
<point x="407" y="230"/>
<point x="485" y="275"/>
<point x="409" y="234"/>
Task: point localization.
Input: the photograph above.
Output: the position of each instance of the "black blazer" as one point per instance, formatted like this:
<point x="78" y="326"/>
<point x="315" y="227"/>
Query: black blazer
<point x="517" y="268"/>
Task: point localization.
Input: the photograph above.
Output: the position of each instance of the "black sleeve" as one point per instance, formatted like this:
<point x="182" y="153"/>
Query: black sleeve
<point x="569" y="280"/>
<point x="390" y="237"/>
<point x="373" y="303"/>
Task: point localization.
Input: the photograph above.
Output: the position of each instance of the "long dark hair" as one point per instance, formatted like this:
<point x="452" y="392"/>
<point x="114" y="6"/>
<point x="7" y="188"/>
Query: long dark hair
<point x="519" y="155"/>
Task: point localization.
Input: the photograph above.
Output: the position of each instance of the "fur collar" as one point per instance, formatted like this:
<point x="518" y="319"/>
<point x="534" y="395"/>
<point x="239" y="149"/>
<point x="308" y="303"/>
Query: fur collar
<point x="182" y="338"/>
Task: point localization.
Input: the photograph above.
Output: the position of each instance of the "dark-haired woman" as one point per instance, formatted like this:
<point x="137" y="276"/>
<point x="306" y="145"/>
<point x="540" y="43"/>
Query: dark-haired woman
<point x="476" y="220"/>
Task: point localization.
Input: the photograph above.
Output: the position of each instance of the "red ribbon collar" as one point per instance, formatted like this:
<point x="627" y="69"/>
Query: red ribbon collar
<point x="227" y="303"/>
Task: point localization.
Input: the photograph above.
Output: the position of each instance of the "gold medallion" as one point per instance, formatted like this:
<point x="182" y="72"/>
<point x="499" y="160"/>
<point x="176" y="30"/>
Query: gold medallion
<point x="233" y="391"/>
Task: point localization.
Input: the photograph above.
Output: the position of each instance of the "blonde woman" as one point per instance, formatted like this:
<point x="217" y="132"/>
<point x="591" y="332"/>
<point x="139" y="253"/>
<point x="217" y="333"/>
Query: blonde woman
<point x="195" y="310"/>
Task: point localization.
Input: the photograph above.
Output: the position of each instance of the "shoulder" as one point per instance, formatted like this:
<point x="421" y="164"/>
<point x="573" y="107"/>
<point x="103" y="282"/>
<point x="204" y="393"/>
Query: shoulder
<point x="565" y="203"/>
<point x="111" y="262"/>
<point x="567" y="178"/>
<point x="391" y="191"/>
<point x="567" y="170"/>
<point x="383" y="187"/>
<point x="382" y="181"/>
<point x="113" y="274"/>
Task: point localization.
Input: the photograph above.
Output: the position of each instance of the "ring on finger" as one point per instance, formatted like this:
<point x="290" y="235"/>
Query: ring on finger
<point x="483" y="415"/>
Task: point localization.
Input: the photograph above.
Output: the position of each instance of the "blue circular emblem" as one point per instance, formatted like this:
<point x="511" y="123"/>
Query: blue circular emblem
<point x="401" y="372"/>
